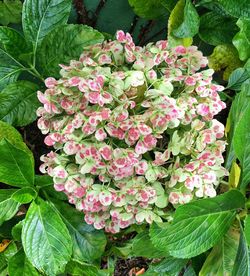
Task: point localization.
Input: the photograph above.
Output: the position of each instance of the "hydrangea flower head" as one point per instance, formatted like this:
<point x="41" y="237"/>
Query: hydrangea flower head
<point x="133" y="130"/>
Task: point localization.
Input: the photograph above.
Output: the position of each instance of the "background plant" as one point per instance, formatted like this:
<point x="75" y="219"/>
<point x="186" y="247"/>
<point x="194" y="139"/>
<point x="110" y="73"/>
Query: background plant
<point x="206" y="236"/>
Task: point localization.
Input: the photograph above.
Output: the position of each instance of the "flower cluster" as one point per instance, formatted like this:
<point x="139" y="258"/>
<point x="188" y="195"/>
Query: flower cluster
<point x="133" y="130"/>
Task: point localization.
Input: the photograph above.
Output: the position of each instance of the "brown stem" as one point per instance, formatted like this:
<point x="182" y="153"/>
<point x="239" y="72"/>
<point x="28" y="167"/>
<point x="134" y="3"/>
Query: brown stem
<point x="82" y="13"/>
<point x="144" y="31"/>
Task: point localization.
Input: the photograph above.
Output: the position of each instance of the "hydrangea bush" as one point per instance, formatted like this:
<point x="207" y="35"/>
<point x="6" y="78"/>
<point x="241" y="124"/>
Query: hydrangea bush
<point x="133" y="130"/>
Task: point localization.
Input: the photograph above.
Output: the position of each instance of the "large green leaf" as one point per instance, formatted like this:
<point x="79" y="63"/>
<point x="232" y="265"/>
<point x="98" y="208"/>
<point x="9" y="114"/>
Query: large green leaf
<point x="88" y="243"/>
<point x="10" y="11"/>
<point x="240" y="106"/>
<point x="221" y="259"/>
<point x="242" y="265"/>
<point x="190" y="24"/>
<point x="247" y="229"/>
<point x="174" y="22"/>
<point x="75" y="37"/>
<point x="40" y="17"/>
<point x="198" y="225"/>
<point x="16" y="165"/>
<point x="20" y="265"/>
<point x="142" y="241"/>
<point x="14" y="137"/>
<point x="149" y="9"/>
<point x="242" y="39"/>
<point x="24" y="195"/>
<point x="241" y="144"/>
<point x="237" y="78"/>
<point x="216" y="29"/>
<point x="169" y="266"/>
<point x="46" y="239"/>
<point x="8" y="206"/>
<point x="10" y="68"/>
<point x="18" y="103"/>
<point x="12" y="42"/>
<point x="75" y="268"/>
<point x="231" y="7"/>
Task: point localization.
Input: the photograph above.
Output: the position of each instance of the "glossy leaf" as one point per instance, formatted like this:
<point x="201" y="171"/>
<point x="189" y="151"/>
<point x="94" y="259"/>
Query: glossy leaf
<point x="88" y="243"/>
<point x="221" y="259"/>
<point x="168" y="266"/>
<point x="240" y="106"/>
<point x="175" y="20"/>
<point x="46" y="239"/>
<point x="241" y="144"/>
<point x="149" y="9"/>
<point x="242" y="265"/>
<point x="76" y="268"/>
<point x="40" y="17"/>
<point x="237" y="78"/>
<point x="142" y="241"/>
<point x="198" y="225"/>
<point x="242" y="39"/>
<point x="247" y="229"/>
<point x="10" y="68"/>
<point x="13" y="159"/>
<point x="16" y="231"/>
<point x="20" y="265"/>
<point x="12" y="42"/>
<point x="24" y="195"/>
<point x="75" y="37"/>
<point x="14" y="137"/>
<point x="190" y="24"/>
<point x="10" y="11"/>
<point x="230" y="7"/>
<point x="18" y="103"/>
<point x="216" y="29"/>
<point x="8" y="206"/>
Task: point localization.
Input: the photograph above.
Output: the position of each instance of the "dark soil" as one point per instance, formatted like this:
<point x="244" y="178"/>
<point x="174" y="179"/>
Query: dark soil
<point x="131" y="266"/>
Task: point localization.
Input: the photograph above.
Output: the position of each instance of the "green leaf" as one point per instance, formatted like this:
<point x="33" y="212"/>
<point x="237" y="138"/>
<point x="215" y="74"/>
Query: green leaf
<point x="46" y="184"/>
<point x="142" y="241"/>
<point x="8" y="206"/>
<point x="88" y="243"/>
<point x="242" y="39"/>
<point x="10" y="251"/>
<point x="149" y="9"/>
<point x="16" y="231"/>
<point x="40" y="17"/>
<point x="13" y="159"/>
<point x="75" y="37"/>
<point x="12" y="42"/>
<point x="221" y="259"/>
<point x="20" y="265"/>
<point x="216" y="29"/>
<point x="175" y="20"/>
<point x="231" y="7"/>
<point x="10" y="11"/>
<point x="10" y="68"/>
<point x="46" y="239"/>
<point x="168" y="266"/>
<point x="247" y="229"/>
<point x="241" y="145"/>
<point x="198" y="225"/>
<point x="75" y="268"/>
<point x="6" y="227"/>
<point x="241" y="265"/>
<point x="190" y="24"/>
<point x="15" y="138"/>
<point x="240" y="106"/>
<point x="18" y="103"/>
<point x="239" y="76"/>
<point x="24" y="195"/>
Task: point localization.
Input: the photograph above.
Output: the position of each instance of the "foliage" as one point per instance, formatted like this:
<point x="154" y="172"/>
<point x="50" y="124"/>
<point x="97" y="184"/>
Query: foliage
<point x="41" y="234"/>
